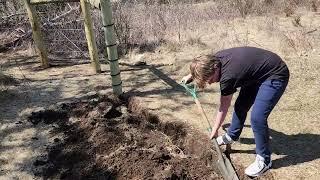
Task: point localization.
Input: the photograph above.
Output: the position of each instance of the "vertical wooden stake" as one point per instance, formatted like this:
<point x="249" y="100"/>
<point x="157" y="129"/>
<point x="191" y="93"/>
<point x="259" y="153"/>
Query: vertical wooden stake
<point x="108" y="27"/>
<point x="92" y="47"/>
<point x="37" y="35"/>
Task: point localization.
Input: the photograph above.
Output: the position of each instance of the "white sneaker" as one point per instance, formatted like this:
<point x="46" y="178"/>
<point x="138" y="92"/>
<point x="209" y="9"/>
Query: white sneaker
<point x="224" y="140"/>
<point x="258" y="167"/>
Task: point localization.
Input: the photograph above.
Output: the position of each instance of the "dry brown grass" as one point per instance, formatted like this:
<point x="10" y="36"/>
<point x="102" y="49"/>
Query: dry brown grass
<point x="138" y="23"/>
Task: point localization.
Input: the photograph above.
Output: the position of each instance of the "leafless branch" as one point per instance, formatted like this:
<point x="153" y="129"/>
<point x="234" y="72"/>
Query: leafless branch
<point x="12" y="15"/>
<point x="50" y="21"/>
<point x="70" y="41"/>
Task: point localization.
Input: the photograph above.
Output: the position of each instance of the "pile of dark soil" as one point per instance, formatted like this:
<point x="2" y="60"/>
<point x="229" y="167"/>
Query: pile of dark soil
<point x="108" y="138"/>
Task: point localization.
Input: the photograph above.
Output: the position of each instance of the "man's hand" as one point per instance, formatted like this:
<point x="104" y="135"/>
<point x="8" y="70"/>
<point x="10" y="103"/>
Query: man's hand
<point x="186" y="79"/>
<point x="214" y="134"/>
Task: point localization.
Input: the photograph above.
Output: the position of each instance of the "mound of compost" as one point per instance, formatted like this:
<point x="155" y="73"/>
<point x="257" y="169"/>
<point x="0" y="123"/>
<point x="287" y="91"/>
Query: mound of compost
<point x="108" y="138"/>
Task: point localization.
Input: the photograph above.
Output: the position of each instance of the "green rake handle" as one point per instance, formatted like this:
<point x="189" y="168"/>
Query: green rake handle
<point x="192" y="90"/>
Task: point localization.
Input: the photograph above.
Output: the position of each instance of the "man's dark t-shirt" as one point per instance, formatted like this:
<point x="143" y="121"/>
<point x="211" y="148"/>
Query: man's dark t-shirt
<point x="247" y="66"/>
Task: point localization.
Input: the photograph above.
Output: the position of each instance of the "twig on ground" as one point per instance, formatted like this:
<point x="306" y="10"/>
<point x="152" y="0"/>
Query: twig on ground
<point x="117" y="151"/>
<point x="171" y="150"/>
<point x="311" y="31"/>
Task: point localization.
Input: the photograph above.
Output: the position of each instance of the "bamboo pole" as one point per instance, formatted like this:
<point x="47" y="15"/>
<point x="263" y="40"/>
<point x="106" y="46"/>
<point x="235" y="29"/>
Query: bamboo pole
<point x="37" y="35"/>
<point x="50" y="1"/>
<point x="111" y="44"/>
<point x="92" y="47"/>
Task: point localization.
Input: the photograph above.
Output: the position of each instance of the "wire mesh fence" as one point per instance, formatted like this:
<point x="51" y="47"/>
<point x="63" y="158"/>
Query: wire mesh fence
<point x="62" y="27"/>
<point x="63" y="30"/>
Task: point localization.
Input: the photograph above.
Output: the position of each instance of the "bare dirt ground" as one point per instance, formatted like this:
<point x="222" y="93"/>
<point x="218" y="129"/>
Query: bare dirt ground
<point x="294" y="126"/>
<point x="103" y="139"/>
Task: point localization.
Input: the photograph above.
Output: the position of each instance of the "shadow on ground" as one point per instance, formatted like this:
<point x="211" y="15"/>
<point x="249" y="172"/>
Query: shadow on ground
<point x="174" y="86"/>
<point x="296" y="149"/>
<point x="33" y="61"/>
<point x="172" y="90"/>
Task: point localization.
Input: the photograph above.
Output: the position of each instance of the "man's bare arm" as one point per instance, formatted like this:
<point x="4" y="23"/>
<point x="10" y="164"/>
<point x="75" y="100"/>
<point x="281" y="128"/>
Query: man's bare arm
<point x="225" y="102"/>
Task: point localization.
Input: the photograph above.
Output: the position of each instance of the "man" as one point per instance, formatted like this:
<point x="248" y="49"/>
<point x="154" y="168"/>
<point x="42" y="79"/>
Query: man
<point x="262" y="78"/>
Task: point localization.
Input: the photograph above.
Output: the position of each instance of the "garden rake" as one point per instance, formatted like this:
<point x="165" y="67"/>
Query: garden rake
<point x="223" y="162"/>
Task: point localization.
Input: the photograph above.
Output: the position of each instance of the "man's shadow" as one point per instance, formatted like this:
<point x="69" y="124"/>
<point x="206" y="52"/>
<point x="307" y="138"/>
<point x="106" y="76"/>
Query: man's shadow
<point x="296" y="149"/>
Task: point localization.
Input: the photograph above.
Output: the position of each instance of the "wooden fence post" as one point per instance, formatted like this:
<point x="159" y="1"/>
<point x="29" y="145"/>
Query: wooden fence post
<point x="37" y="35"/>
<point x="92" y="47"/>
<point x="108" y="27"/>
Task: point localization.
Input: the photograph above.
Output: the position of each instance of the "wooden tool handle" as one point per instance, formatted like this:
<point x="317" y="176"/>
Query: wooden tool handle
<point x="225" y="165"/>
<point x="203" y="113"/>
<point x="205" y="118"/>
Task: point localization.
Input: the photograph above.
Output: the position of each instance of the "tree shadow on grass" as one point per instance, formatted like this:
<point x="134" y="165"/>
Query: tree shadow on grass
<point x="33" y="62"/>
<point x="172" y="90"/>
<point x="175" y="87"/>
<point x="296" y="149"/>
<point x="18" y="61"/>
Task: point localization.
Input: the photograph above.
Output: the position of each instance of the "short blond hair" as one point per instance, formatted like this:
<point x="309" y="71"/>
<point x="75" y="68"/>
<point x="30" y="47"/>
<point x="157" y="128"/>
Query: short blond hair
<point x="202" y="68"/>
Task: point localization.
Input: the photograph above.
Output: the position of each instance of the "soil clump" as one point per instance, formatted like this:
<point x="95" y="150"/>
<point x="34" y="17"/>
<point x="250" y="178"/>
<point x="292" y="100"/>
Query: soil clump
<point x="110" y="138"/>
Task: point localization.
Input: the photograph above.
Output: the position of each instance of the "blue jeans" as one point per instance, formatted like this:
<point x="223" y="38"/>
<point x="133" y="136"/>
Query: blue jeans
<point x="263" y="97"/>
